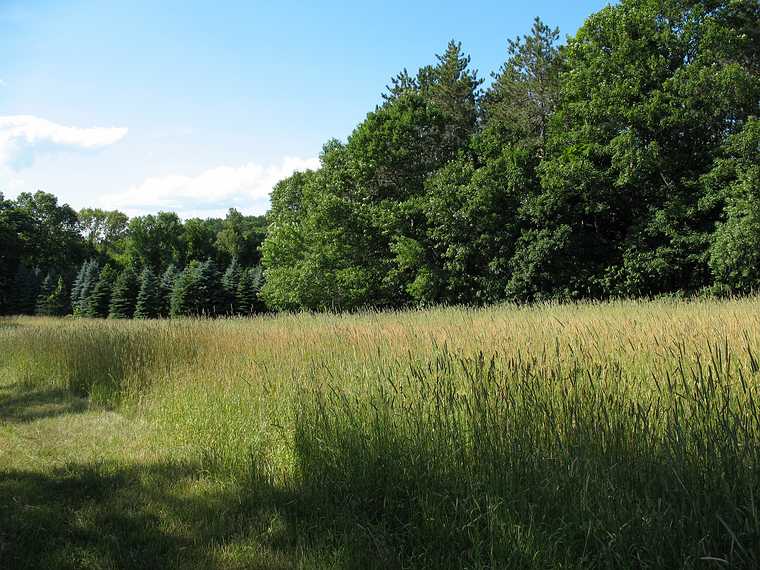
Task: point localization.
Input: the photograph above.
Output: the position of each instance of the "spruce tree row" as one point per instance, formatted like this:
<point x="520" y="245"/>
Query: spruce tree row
<point x="197" y="290"/>
<point x="40" y="238"/>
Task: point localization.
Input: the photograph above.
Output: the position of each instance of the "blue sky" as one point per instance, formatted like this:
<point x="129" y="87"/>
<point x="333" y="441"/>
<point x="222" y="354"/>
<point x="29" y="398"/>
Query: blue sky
<point x="200" y="106"/>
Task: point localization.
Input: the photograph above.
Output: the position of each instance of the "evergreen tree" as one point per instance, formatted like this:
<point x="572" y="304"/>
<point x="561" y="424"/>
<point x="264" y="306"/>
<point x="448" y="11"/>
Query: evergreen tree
<point x="209" y="296"/>
<point x="51" y="300"/>
<point x="230" y="282"/>
<point x="184" y="291"/>
<point x="525" y="93"/>
<point x="168" y="279"/>
<point x="149" y="298"/>
<point x="43" y="296"/>
<point x="247" y="293"/>
<point x="124" y="295"/>
<point x="99" y="300"/>
<point x="85" y="282"/>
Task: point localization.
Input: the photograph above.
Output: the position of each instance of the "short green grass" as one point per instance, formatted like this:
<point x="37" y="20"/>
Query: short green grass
<point x="598" y="435"/>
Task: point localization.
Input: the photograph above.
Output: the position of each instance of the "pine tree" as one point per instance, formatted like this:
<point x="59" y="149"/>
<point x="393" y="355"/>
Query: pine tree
<point x="88" y="284"/>
<point x="124" y="295"/>
<point x="209" y="289"/>
<point x="181" y="290"/>
<point x="247" y="294"/>
<point x="83" y="286"/>
<point x="149" y="298"/>
<point x="76" y="287"/>
<point x="51" y="300"/>
<point x="100" y="298"/>
<point x="230" y="282"/>
<point x="168" y="279"/>
<point x="184" y="291"/>
<point x="43" y="296"/>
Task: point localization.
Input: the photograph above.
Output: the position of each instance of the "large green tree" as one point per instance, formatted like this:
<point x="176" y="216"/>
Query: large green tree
<point x="16" y="230"/>
<point x="52" y="239"/>
<point x="83" y="285"/>
<point x="104" y="230"/>
<point x="735" y="249"/>
<point x="651" y="90"/>
<point x="240" y="237"/>
<point x="334" y="235"/>
<point x="473" y="204"/>
<point x="154" y="241"/>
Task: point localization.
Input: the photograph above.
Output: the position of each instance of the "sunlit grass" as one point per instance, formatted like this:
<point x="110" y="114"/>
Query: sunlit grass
<point x="622" y="434"/>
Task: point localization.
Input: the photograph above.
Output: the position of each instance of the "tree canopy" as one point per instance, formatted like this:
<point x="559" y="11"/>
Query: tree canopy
<point x="622" y="162"/>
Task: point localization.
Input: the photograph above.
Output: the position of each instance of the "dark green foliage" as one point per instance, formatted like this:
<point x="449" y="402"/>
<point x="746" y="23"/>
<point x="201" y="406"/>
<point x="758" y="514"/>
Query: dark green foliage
<point x="52" y="297"/>
<point x="335" y="234"/>
<point x="57" y="302"/>
<point x="16" y="227"/>
<point x="149" y="299"/>
<point x="26" y="286"/>
<point x="607" y="167"/>
<point x="124" y="295"/>
<point x="154" y="241"/>
<point x="247" y="292"/>
<point x="43" y="295"/>
<point x="230" y="283"/>
<point x="209" y="298"/>
<point x="735" y="249"/>
<point x="103" y="230"/>
<point x="197" y="291"/>
<point x="651" y="92"/>
<point x="181" y="300"/>
<point x="240" y="237"/>
<point x="52" y="238"/>
<point x="198" y="237"/>
<point x="99" y="300"/>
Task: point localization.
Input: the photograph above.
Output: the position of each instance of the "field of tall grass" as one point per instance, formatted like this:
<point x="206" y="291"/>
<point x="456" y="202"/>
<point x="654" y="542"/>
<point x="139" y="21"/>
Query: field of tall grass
<point x="597" y="435"/>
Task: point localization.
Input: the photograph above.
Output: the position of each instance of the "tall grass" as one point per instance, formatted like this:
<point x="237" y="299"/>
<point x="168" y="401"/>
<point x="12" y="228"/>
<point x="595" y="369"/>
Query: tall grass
<point x="524" y="462"/>
<point x="595" y="435"/>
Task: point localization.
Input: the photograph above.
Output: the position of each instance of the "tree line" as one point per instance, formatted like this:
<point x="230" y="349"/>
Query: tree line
<point x="622" y="162"/>
<point x="93" y="263"/>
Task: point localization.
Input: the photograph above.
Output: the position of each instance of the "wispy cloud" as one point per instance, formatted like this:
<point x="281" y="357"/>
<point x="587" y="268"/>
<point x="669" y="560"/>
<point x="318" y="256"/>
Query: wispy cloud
<point x="211" y="192"/>
<point x="24" y="137"/>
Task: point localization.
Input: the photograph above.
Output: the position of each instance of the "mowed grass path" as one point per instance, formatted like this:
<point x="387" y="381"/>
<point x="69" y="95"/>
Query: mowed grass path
<point x="571" y="436"/>
<point x="84" y="487"/>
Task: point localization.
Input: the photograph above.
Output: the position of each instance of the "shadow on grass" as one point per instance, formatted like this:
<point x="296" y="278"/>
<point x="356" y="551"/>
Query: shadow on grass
<point x="18" y="405"/>
<point x="168" y="515"/>
<point x="113" y="514"/>
<point x="142" y="516"/>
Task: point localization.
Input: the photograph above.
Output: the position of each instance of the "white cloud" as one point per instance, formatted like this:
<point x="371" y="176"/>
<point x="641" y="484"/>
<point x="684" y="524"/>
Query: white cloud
<point x="210" y="193"/>
<point x="24" y="137"/>
<point x="2" y="83"/>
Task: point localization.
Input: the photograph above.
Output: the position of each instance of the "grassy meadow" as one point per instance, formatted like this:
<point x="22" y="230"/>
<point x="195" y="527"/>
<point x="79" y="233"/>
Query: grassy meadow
<point x="609" y="435"/>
